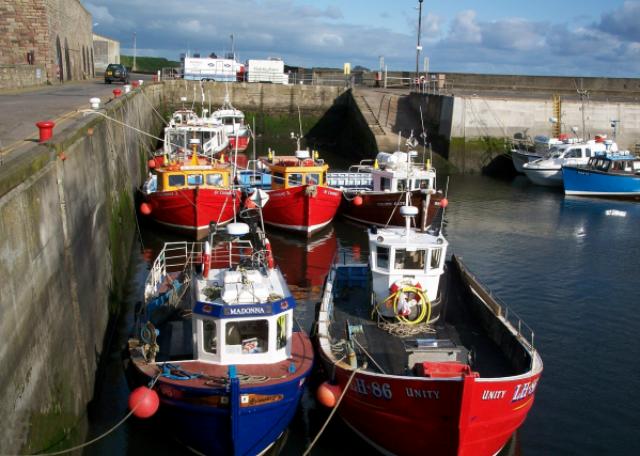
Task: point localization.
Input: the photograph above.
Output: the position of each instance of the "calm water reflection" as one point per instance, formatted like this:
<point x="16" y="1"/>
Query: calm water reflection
<point x="568" y="266"/>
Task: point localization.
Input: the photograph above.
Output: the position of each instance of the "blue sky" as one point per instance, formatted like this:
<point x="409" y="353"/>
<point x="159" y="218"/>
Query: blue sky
<point x="561" y="37"/>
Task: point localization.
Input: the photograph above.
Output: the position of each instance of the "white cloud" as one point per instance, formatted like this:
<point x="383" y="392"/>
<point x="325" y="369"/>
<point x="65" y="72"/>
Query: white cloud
<point x="464" y="28"/>
<point x="318" y="35"/>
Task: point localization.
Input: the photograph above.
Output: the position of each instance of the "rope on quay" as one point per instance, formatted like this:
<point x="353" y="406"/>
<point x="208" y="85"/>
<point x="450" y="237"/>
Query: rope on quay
<point x="333" y="411"/>
<point x="91" y="111"/>
<point x="104" y="434"/>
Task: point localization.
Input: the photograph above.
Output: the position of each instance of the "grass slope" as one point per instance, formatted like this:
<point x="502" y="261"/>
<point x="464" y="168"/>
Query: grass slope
<point x="147" y="64"/>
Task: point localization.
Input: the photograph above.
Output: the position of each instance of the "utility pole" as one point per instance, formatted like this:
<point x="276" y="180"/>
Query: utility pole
<point x="134" y="52"/>
<point x="418" y="47"/>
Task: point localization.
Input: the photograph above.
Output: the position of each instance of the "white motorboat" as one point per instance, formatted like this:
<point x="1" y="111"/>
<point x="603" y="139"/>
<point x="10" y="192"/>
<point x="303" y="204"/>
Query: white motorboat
<point x="548" y="171"/>
<point x="524" y="151"/>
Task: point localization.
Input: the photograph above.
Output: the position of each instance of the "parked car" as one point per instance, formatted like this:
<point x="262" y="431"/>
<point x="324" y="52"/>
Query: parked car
<point x="116" y="72"/>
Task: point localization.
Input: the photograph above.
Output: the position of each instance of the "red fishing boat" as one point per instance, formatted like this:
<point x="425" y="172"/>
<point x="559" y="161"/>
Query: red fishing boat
<point x="299" y="198"/>
<point x="188" y="194"/>
<point x="375" y="190"/>
<point x="420" y="356"/>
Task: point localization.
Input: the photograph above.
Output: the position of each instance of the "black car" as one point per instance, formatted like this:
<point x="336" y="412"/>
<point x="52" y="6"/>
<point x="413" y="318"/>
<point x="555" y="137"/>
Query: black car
<point x="116" y="72"/>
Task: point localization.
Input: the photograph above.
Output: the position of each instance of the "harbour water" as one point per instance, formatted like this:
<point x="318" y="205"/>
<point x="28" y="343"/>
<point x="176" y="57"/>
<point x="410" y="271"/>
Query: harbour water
<point x="567" y="266"/>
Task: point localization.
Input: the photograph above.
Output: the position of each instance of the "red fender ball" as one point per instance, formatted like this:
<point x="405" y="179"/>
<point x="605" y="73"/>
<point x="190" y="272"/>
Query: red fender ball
<point x="144" y="402"/>
<point x="444" y="203"/>
<point x="357" y="201"/>
<point x="151" y="164"/>
<point x="328" y="394"/>
<point x="145" y="208"/>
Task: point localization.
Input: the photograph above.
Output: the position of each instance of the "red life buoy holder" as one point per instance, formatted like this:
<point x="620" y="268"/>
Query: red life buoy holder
<point x="206" y="259"/>
<point x="270" y="261"/>
<point x="395" y="286"/>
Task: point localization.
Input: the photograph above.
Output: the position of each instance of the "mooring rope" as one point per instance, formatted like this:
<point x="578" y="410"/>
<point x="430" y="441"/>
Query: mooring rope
<point x="333" y="411"/>
<point x="104" y="434"/>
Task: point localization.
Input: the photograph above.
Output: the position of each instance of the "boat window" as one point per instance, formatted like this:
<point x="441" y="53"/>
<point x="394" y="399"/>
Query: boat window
<point x="382" y="257"/>
<point x="409" y="260"/>
<point x="209" y="336"/>
<point x="587" y="152"/>
<point x="281" y="335"/>
<point x="313" y="179"/>
<point x="176" y="180"/>
<point x="247" y="337"/>
<point x="636" y="165"/>
<point x="194" y="179"/>
<point x="572" y="153"/>
<point x="385" y="184"/>
<point x="402" y="185"/>
<point x="177" y="141"/>
<point x="294" y="179"/>
<point x="215" y="179"/>
<point x="424" y="184"/>
<point x="278" y="178"/>
<point x="436" y="254"/>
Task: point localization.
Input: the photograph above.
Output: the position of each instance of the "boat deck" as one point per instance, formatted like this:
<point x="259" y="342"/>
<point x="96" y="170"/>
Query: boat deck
<point x="176" y="349"/>
<point x="456" y="336"/>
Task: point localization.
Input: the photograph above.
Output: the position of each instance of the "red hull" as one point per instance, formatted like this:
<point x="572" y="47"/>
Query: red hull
<point x="415" y="416"/>
<point x="378" y="207"/>
<point x="242" y="141"/>
<point x="305" y="209"/>
<point x="191" y="210"/>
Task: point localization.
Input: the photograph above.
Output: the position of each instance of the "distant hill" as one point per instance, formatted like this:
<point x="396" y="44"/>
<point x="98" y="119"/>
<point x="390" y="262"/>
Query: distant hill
<point x="147" y="64"/>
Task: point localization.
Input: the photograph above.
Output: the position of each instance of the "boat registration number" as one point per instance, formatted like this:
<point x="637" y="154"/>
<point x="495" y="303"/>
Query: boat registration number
<point x="380" y="391"/>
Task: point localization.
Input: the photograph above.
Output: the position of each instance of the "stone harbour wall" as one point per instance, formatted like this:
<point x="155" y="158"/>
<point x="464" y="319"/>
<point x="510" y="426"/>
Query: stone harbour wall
<point x="67" y="223"/>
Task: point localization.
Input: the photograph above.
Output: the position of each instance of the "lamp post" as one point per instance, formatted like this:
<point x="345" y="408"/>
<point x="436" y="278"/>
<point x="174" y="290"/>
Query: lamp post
<point x="418" y="47"/>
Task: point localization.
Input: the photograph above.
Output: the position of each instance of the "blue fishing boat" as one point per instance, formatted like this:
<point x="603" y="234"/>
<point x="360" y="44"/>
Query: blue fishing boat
<point x="616" y="175"/>
<point x="216" y="345"/>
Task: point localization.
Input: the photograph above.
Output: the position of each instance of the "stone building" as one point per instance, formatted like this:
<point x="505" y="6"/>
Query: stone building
<point x="44" y="41"/>
<point x="105" y="51"/>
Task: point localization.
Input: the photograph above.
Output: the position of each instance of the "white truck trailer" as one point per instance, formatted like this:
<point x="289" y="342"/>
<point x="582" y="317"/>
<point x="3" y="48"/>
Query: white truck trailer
<point x="210" y="69"/>
<point x="271" y="70"/>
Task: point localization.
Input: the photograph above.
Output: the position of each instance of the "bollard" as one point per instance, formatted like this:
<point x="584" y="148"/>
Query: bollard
<point x="127" y="88"/>
<point x="46" y="129"/>
<point x="135" y="84"/>
<point x="140" y="81"/>
<point x="117" y="92"/>
<point x="95" y="103"/>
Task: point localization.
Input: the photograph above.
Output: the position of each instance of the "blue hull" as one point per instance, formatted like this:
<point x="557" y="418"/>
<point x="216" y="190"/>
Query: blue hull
<point x="580" y="181"/>
<point x="231" y="430"/>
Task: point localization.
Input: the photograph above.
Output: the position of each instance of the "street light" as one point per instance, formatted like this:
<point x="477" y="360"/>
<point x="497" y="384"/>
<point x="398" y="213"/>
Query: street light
<point x="418" y="47"/>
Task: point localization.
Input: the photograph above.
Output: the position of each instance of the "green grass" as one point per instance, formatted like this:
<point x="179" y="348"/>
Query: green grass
<point x="147" y="64"/>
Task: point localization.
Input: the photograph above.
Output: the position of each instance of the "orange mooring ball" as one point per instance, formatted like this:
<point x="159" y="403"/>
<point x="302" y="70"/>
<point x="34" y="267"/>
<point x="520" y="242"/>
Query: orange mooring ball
<point x="151" y="164"/>
<point x="144" y="402"/>
<point x="444" y="203"/>
<point x="145" y="208"/>
<point x="357" y="201"/>
<point x="328" y="394"/>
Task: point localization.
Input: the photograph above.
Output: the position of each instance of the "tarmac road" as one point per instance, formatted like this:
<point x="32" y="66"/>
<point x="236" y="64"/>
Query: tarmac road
<point x="21" y="109"/>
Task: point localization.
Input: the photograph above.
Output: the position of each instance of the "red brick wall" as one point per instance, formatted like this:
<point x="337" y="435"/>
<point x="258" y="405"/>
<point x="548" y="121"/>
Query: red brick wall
<point x="35" y="25"/>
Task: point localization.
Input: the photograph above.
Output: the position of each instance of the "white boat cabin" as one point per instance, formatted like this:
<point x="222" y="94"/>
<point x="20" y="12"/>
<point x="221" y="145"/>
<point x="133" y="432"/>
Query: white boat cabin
<point x="242" y="315"/>
<point x="405" y="257"/>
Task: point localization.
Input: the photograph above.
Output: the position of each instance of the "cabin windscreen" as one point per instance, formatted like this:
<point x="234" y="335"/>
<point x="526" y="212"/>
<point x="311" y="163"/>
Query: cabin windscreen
<point x="382" y="257"/>
<point x="247" y="337"/>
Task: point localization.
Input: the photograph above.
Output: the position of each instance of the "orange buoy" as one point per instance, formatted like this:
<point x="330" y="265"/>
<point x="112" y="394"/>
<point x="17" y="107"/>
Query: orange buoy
<point x="145" y="208"/>
<point x="357" y="201"/>
<point x="151" y="164"/>
<point x="328" y="394"/>
<point x="144" y="402"/>
<point x="444" y="203"/>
